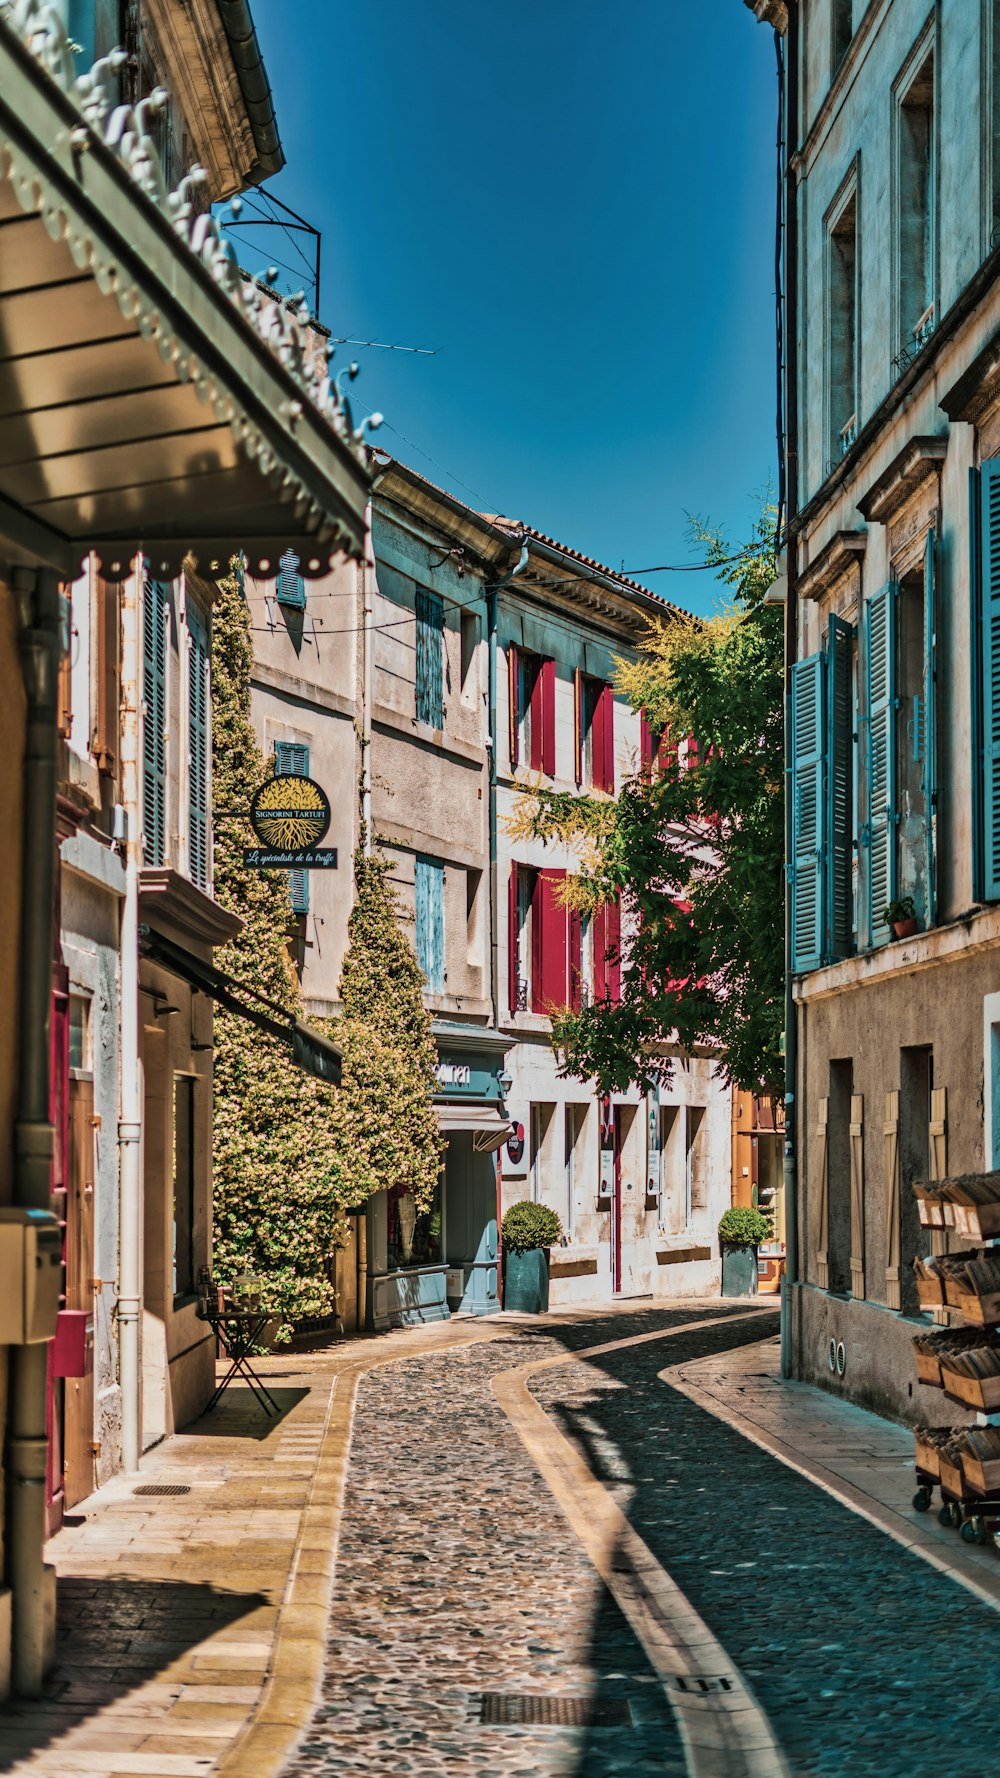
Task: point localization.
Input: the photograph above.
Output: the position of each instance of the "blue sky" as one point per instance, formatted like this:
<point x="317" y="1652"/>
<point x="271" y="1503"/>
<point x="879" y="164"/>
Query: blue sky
<point x="572" y="201"/>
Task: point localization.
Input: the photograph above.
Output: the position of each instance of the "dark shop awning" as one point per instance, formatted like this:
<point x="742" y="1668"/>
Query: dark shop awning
<point x="151" y="398"/>
<point x="309" y="1049"/>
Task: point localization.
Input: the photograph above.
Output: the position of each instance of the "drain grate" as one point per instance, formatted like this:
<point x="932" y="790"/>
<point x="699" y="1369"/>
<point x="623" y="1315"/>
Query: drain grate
<point x="162" y="1488"/>
<point x="689" y="1682"/>
<point x="512" y="1709"/>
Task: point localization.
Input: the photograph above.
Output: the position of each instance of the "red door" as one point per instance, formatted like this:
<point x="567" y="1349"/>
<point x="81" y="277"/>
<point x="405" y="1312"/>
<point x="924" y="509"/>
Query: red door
<point x="616" y="1204"/>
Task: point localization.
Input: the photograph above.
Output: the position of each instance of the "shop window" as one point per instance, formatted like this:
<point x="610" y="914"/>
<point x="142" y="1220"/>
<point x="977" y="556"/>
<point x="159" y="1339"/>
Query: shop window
<point x="915" y="225"/>
<point x="430" y="658"/>
<point x="79" y="1033"/>
<point x="414" y="1237"/>
<point x="540" y="1129"/>
<point x="695" y="1170"/>
<point x="843" y="289"/>
<point x="532" y="698"/>
<point x="575" y="1151"/>
<point x="184" y="1184"/>
<point x="429" y="878"/>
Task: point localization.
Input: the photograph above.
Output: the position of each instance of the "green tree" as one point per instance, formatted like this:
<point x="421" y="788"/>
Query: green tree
<point x="695" y="852"/>
<point x="293" y="1156"/>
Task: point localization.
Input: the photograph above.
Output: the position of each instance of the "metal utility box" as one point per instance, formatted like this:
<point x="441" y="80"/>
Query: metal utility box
<point x="73" y="1346"/>
<point x="30" y="1275"/>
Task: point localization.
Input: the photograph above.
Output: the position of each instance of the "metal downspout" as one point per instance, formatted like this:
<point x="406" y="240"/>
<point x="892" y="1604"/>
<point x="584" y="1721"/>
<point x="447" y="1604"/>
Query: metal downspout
<point x="492" y="590"/>
<point x="37" y="592"/>
<point x="130" y="1184"/>
<point x="790" y="1163"/>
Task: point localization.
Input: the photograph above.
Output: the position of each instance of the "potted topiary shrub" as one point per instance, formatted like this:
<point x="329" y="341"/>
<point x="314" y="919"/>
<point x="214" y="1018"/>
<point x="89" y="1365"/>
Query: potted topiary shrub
<point x="741" y="1231"/>
<point x="528" y="1231"/>
<point x="902" y="917"/>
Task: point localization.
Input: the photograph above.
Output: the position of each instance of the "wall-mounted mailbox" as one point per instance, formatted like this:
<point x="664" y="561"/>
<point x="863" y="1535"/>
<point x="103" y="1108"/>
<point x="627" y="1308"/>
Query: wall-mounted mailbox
<point x="30" y="1275"/>
<point x="73" y="1346"/>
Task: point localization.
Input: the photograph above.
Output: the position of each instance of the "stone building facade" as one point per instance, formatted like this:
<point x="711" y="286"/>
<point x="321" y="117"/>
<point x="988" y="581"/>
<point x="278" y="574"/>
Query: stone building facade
<point x="892" y="198"/>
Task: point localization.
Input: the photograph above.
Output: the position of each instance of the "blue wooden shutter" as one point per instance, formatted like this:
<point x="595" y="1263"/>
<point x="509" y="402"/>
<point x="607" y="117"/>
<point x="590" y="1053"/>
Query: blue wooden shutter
<point x="928" y="729"/>
<point x="430" y="921"/>
<point x="840" y="788"/>
<point x="199" y="832"/>
<point x="154" y="697"/>
<point x="293" y="757"/>
<point x="807" y="813"/>
<point x="880" y="700"/>
<point x="290" y="588"/>
<point x="989" y="565"/>
<point x="430" y="659"/>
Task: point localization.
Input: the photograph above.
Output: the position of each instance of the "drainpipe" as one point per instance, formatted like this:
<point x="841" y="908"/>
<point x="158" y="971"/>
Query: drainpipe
<point x="492" y="590"/>
<point x="366" y="570"/>
<point x="790" y="1167"/>
<point x="130" y="1101"/>
<point x="37" y="593"/>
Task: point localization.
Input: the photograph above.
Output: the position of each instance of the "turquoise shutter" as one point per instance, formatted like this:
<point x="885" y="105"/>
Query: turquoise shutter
<point x="154" y="697"/>
<point x="290" y="588"/>
<point x="807" y="860"/>
<point x="430" y="659"/>
<point x="430" y="921"/>
<point x="880" y="699"/>
<point x="198" y="744"/>
<point x="840" y="788"/>
<point x="928" y="729"/>
<point x="989" y="567"/>
<point x="293" y="757"/>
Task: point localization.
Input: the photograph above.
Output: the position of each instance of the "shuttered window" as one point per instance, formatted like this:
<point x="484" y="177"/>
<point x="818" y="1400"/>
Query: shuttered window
<point x="840" y="787"/>
<point x="430" y="921"/>
<point x="543" y="718"/>
<point x="928" y="727"/>
<point x="430" y="659"/>
<point x="989" y="675"/>
<point x="290" y="588"/>
<point x="199" y="742"/>
<point x="549" y="944"/>
<point x="154" y="717"/>
<point x="606" y="927"/>
<point x="808" y="824"/>
<point x="293" y="757"/>
<point x="880" y="693"/>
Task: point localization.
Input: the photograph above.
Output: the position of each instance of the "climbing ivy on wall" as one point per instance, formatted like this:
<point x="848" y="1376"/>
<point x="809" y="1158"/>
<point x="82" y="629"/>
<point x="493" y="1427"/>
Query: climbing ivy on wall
<point x="291" y="1155"/>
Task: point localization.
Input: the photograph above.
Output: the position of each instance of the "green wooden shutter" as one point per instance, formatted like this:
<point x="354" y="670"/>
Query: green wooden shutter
<point x="807" y="860"/>
<point x="430" y="659"/>
<point x="154" y="746"/>
<point x="199" y="831"/>
<point x="293" y="757"/>
<point x="928" y="729"/>
<point x="840" y="788"/>
<point x="430" y="921"/>
<point x="290" y="587"/>
<point x="880" y="701"/>
<point x="989" y="559"/>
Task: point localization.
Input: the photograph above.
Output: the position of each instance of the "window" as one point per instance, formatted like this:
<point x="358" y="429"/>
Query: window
<point x="155" y="629"/>
<point x="293" y="757"/>
<point x="540" y="1127"/>
<point x="842" y="304"/>
<point x="606" y="928"/>
<point x="473" y="919"/>
<point x="695" y="1179"/>
<point x="838" y="1237"/>
<point x="544" y="943"/>
<point x="104" y="738"/>
<point x="430" y="659"/>
<point x="430" y="922"/>
<point x="575" y="1152"/>
<point x="289" y="586"/>
<point x="79" y="1032"/>
<point x="413" y="1237"/>
<point x="595" y="733"/>
<point x="841" y="29"/>
<point x="199" y="753"/>
<point x="915" y="206"/>
<point x="532" y="695"/>
<point x="470" y="655"/>
<point x="184" y="1179"/>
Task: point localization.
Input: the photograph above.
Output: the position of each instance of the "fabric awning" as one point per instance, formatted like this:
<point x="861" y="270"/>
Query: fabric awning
<point x="488" y="1129"/>
<point x="310" y="1050"/>
<point x="152" y="399"/>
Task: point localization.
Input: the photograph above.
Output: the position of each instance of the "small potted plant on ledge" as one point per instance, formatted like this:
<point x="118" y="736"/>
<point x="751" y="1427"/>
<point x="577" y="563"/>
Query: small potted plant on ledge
<point x="741" y="1230"/>
<point x="902" y="917"/>
<point x="528" y="1230"/>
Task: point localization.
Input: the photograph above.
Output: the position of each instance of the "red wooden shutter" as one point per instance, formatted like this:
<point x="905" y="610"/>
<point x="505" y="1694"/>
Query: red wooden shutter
<point x="547" y="700"/>
<point x="692" y="753"/>
<point x="549" y="924"/>
<point x="513" y="707"/>
<point x="513" y="942"/>
<point x="575" y="959"/>
<point x="602" y="740"/>
<point x="647" y="745"/>
<point x="614" y="934"/>
<point x="578" y="726"/>
<point x="599" y="928"/>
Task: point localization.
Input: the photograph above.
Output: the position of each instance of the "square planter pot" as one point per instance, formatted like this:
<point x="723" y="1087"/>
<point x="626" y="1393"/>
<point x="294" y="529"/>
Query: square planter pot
<point x="739" y="1270"/>
<point x="526" y="1280"/>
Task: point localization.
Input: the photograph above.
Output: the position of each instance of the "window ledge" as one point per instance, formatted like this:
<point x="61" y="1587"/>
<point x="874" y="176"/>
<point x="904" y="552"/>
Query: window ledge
<point x="978" y="930"/>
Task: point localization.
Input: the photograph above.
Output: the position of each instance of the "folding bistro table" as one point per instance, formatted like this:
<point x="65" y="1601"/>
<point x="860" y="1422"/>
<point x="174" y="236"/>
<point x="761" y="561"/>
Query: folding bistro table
<point x="237" y="1331"/>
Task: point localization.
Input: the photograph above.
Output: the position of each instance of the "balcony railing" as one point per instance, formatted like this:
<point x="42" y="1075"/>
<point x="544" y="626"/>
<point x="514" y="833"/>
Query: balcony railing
<point x="848" y="434"/>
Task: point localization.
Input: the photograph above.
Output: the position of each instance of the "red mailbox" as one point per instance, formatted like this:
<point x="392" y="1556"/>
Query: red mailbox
<point x="73" y="1346"/>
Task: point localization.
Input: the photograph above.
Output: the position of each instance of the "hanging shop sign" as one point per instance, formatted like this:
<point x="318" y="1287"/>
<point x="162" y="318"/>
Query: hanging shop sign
<point x="290" y="815"/>
<point x="515" y="1144"/>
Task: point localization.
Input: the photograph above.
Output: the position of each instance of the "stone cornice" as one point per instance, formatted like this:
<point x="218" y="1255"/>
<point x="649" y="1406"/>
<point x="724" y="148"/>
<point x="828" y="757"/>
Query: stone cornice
<point x="977" y="388"/>
<point x="835" y="558"/>
<point x="918" y="459"/>
<point x="174" y="906"/>
<point x="770" y="12"/>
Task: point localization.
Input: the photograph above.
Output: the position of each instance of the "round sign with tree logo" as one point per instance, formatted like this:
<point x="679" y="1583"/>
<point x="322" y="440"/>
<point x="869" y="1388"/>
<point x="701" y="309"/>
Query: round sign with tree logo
<point x="289" y="813"/>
